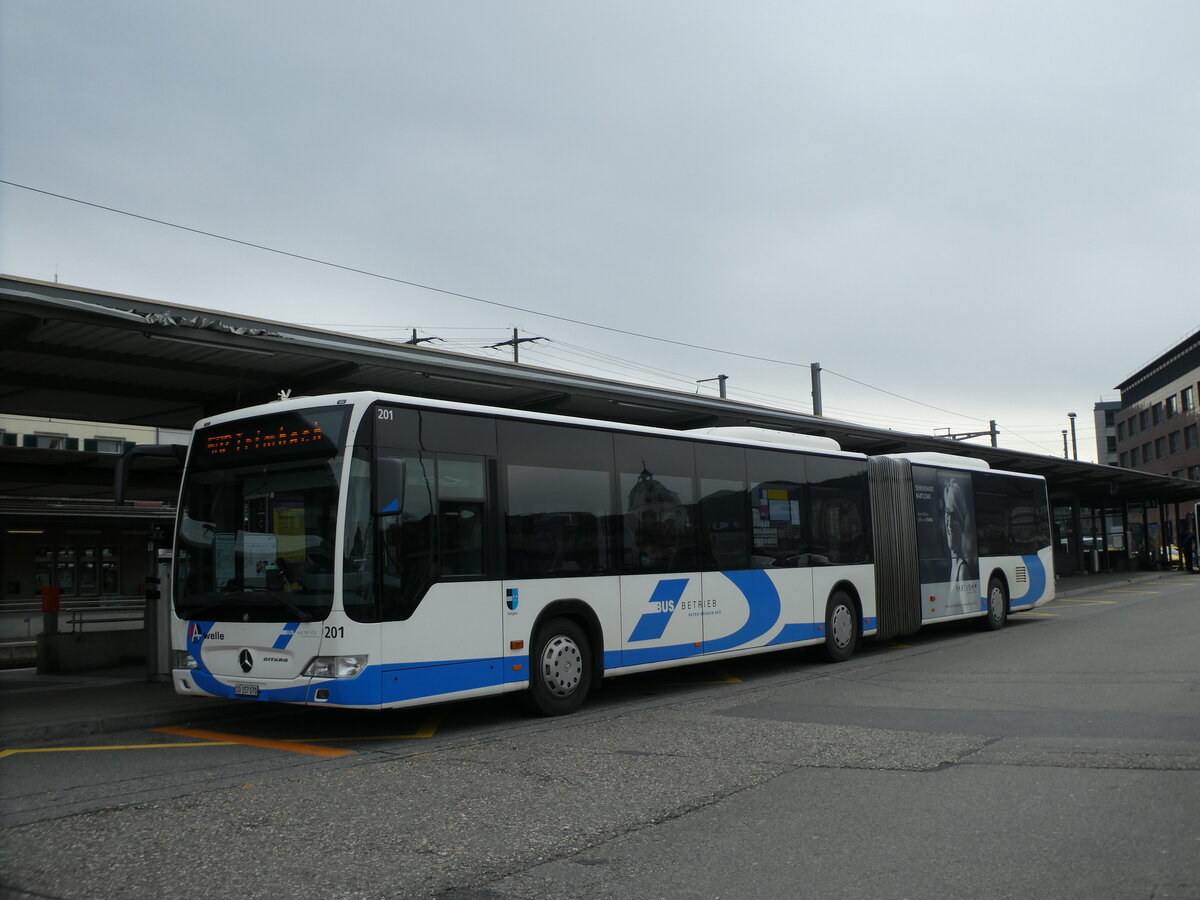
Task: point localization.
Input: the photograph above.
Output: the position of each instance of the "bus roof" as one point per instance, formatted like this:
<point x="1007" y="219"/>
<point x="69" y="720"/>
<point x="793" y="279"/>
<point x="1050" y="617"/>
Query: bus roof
<point x="741" y="435"/>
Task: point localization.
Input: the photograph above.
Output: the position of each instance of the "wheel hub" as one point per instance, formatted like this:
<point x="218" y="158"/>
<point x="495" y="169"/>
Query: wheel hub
<point x="841" y="625"/>
<point x="561" y="666"/>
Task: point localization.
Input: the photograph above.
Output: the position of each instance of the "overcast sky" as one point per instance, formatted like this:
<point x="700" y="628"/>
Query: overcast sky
<point x="992" y="209"/>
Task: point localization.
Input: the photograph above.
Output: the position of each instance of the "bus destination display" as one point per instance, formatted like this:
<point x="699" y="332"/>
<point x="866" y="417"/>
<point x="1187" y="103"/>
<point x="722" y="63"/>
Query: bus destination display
<point x="241" y="443"/>
<point x="316" y="433"/>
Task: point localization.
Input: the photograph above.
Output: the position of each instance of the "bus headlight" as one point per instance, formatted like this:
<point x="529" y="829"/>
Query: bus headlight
<point x="336" y="666"/>
<point x="181" y="659"/>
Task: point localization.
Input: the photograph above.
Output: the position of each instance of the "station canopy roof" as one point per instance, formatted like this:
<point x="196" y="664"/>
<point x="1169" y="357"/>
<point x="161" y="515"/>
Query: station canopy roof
<point x="74" y="353"/>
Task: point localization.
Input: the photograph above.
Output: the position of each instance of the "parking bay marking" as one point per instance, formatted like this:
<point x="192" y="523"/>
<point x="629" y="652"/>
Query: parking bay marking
<point x="16" y="750"/>
<point x="267" y="743"/>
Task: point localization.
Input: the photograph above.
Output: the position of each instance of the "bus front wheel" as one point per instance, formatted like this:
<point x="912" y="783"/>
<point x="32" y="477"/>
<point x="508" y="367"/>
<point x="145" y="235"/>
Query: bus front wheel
<point x="560" y="668"/>
<point x="841" y="627"/>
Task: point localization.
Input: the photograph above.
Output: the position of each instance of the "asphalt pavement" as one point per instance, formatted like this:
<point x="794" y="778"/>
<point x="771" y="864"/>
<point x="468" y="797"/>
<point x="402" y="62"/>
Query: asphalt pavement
<point x="43" y="708"/>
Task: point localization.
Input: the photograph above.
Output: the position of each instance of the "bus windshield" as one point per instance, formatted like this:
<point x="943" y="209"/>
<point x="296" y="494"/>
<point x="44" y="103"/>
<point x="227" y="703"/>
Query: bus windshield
<point x="256" y="532"/>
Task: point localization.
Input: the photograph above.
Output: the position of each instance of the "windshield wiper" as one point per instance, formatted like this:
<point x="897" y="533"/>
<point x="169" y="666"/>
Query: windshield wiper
<point x="224" y="604"/>
<point x="283" y="601"/>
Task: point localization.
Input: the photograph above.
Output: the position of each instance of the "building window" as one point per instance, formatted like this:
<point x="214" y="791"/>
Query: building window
<point x="1135" y="458"/>
<point x="50" y="441"/>
<point x="109" y="445"/>
<point x="110" y="570"/>
<point x="1156" y="413"/>
<point x="1176" y="442"/>
<point x="1147" y="452"/>
<point x="1172" y="406"/>
<point x="1132" y="426"/>
<point x="1194" y="473"/>
<point x="1144" y="419"/>
<point x="1160" y="448"/>
<point x="1125" y="460"/>
<point x="1109" y="418"/>
<point x="1188" y="398"/>
<point x="1120" y="431"/>
<point x="1189" y="437"/>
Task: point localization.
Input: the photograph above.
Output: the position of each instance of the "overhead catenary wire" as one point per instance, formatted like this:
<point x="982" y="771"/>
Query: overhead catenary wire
<point x="395" y="280"/>
<point x="573" y="357"/>
<point x="468" y="297"/>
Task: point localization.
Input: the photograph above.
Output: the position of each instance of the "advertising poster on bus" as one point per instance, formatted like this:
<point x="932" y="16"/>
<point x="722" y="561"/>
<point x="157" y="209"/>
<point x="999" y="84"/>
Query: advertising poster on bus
<point x="946" y="544"/>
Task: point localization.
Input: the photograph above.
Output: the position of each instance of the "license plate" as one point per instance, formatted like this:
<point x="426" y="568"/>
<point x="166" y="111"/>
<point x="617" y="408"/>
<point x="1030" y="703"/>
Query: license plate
<point x="245" y="690"/>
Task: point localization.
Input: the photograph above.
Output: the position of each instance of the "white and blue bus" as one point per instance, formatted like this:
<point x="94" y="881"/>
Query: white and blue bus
<point x="374" y="551"/>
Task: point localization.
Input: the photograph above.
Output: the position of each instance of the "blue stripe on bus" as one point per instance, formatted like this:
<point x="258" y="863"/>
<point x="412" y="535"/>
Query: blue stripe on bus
<point x="763" y="599"/>
<point x="665" y="600"/>
<point x="792" y="633"/>
<point x="296" y="693"/>
<point x="1037" y="582"/>
<point x="645" y="655"/>
<point x="411" y="681"/>
<point x="285" y="636"/>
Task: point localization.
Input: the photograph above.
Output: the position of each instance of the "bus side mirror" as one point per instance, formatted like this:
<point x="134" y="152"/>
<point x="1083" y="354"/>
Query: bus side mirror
<point x="389" y="485"/>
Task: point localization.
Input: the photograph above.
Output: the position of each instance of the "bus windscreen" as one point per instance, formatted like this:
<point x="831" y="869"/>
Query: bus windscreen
<point x="256" y="533"/>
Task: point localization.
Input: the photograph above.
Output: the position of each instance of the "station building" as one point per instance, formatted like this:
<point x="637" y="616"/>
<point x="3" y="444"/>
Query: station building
<point x="1157" y="422"/>
<point x="1156" y="431"/>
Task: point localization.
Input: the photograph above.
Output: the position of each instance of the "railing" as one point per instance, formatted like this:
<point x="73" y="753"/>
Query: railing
<point x="76" y="612"/>
<point x="34" y="604"/>
<point x="121" y="612"/>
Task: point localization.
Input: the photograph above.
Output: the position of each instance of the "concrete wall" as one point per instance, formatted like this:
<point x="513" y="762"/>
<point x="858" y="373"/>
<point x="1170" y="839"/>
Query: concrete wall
<point x="90" y="650"/>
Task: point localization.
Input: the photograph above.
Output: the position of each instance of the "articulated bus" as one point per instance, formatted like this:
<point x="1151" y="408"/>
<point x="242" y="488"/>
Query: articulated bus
<point x="375" y="551"/>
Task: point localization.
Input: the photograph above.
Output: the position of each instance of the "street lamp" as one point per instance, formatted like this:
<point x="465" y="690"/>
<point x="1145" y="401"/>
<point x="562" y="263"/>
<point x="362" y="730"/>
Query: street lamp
<point x="1074" y="446"/>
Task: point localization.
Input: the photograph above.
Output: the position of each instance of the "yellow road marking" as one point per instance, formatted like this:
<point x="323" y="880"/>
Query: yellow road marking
<point x="218" y="739"/>
<point x="267" y="743"/>
<point x="14" y="751"/>
<point x="1047" y="615"/>
<point x="1085" y="600"/>
<point x="1119" y="591"/>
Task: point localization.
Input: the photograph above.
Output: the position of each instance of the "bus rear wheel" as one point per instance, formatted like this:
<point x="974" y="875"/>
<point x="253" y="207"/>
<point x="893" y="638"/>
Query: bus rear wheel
<point x="841" y="627"/>
<point x="560" y="668"/>
<point x="997" y="606"/>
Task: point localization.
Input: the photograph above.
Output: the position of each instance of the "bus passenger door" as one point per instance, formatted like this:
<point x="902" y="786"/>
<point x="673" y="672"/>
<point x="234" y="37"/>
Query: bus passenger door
<point x="442" y="621"/>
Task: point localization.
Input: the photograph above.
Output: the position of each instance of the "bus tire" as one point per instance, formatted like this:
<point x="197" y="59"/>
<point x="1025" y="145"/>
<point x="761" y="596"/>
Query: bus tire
<point x="560" y="668"/>
<point x="841" y="627"/>
<point x="997" y="605"/>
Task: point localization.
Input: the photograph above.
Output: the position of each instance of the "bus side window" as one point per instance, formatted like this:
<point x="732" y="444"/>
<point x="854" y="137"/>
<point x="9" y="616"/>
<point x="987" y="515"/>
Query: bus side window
<point x="780" y="532"/>
<point x="657" y="491"/>
<point x="462" y="518"/>
<point x="557" y="481"/>
<point x="406" y="542"/>
<point x="841" y="531"/>
<point x="725" y="530"/>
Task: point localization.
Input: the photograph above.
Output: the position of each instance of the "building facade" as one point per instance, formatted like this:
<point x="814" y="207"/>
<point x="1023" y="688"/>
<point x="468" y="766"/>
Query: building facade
<point x="1157" y="423"/>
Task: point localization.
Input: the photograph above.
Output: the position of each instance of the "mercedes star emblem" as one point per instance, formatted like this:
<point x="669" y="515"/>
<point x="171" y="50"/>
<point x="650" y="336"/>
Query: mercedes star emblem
<point x="245" y="660"/>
